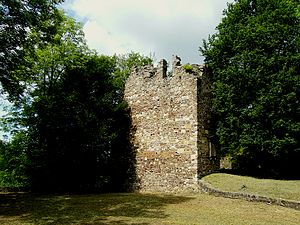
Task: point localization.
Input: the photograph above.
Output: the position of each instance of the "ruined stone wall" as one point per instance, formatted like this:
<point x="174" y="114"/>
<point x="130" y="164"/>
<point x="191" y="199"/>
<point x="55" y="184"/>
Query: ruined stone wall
<point x="207" y="153"/>
<point x="168" y="132"/>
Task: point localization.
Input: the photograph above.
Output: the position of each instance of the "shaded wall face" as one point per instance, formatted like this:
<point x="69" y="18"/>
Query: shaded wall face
<point x="208" y="161"/>
<point x="164" y="117"/>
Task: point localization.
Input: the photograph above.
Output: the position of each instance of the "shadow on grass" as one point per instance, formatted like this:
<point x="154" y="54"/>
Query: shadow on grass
<point x="84" y="209"/>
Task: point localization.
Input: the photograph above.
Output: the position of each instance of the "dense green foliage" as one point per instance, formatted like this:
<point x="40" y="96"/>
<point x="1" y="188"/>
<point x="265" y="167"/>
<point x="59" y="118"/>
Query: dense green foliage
<point x="13" y="162"/>
<point x="24" y="25"/>
<point x="70" y="127"/>
<point x="254" y="58"/>
<point x="75" y="129"/>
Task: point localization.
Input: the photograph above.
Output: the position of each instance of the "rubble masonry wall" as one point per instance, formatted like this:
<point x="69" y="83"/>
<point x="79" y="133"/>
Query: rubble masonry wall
<point x="170" y="126"/>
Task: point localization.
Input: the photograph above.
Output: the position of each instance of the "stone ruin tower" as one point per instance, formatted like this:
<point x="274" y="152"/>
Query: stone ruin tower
<point x="170" y="126"/>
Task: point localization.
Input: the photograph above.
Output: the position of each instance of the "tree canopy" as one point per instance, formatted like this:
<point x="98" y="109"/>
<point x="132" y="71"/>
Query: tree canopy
<point x="254" y="60"/>
<point x="70" y="127"/>
<point x="24" y="25"/>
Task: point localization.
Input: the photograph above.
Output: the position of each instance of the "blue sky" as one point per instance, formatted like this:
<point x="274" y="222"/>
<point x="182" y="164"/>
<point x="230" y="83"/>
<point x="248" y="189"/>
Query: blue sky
<point x="160" y="27"/>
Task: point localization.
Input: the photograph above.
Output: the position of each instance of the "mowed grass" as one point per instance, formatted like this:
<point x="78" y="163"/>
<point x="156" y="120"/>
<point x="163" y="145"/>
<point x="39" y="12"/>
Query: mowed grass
<point x="284" y="189"/>
<point x="138" y="209"/>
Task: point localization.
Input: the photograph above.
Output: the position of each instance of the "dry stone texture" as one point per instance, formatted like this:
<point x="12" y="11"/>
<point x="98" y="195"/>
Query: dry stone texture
<point x="170" y="126"/>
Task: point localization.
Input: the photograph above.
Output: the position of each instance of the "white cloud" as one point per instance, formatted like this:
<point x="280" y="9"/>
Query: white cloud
<point x="101" y="39"/>
<point x="163" y="27"/>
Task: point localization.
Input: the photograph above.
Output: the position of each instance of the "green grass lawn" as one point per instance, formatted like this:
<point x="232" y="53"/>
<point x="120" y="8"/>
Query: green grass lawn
<point x="284" y="189"/>
<point x="138" y="209"/>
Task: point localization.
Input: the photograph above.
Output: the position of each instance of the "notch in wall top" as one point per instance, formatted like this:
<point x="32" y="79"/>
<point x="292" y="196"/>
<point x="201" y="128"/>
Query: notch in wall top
<point x="149" y="71"/>
<point x="145" y="71"/>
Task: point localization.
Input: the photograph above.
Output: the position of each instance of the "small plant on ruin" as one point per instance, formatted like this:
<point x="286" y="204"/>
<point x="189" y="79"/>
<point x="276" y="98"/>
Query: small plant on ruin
<point x="188" y="68"/>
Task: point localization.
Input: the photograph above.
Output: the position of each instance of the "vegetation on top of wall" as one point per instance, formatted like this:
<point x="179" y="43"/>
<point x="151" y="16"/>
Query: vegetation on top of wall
<point x="188" y="68"/>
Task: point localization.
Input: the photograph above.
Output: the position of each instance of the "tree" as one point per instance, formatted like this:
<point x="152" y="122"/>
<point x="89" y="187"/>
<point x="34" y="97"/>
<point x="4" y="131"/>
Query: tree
<point x="127" y="62"/>
<point x="80" y="129"/>
<point x="71" y="128"/>
<point x="67" y="49"/>
<point x="74" y="116"/>
<point x="13" y="162"/>
<point x="254" y="60"/>
<point x="24" y="25"/>
<point x="29" y="115"/>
